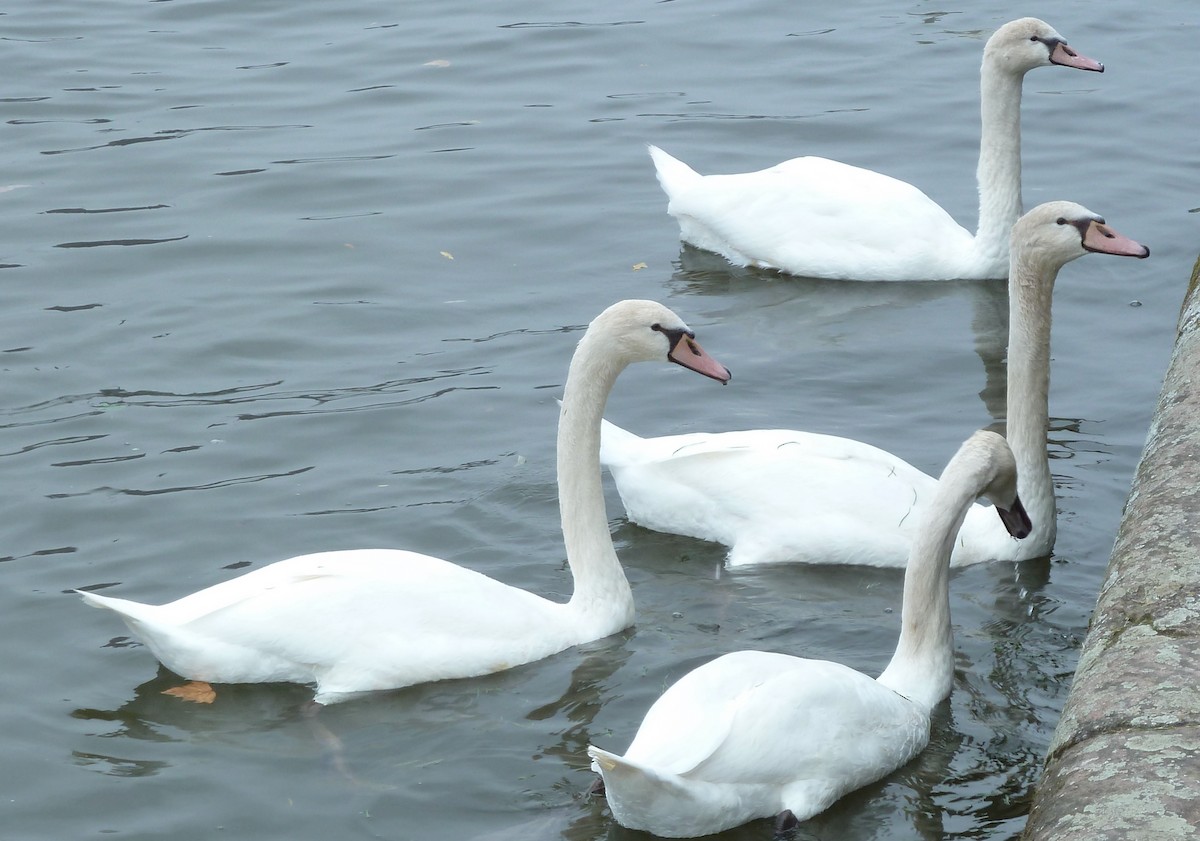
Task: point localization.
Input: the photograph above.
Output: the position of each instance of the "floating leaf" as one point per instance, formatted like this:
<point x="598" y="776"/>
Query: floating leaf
<point x="447" y="255"/>
<point x="637" y="267"/>
<point x="196" y="691"/>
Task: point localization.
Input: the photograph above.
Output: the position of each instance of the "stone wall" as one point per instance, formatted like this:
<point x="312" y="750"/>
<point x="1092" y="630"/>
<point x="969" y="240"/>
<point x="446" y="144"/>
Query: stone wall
<point x="1125" y="759"/>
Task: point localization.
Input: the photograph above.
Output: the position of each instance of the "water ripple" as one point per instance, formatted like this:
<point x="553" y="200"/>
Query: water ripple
<point x="41" y="553"/>
<point x="171" y="134"/>
<point x="205" y="486"/>
<point x="119" y="766"/>
<point x="106" y="209"/>
<point x="74" y="439"/>
<point x="566" y="24"/>
<point x="331" y="401"/>
<point x="100" y="243"/>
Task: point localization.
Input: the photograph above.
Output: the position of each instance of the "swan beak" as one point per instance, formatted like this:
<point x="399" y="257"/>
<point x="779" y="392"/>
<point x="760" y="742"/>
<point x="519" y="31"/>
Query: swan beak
<point x="1015" y="519"/>
<point x="688" y="353"/>
<point x="1102" y="239"/>
<point x="1067" y="57"/>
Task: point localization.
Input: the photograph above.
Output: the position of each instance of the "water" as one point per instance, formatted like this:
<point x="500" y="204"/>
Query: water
<point x="285" y="277"/>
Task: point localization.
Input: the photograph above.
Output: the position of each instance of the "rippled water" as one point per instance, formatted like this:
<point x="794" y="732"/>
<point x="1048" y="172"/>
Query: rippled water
<point x="284" y="277"/>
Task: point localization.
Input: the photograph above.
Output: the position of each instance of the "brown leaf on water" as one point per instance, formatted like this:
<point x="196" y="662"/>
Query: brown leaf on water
<point x="196" y="691"/>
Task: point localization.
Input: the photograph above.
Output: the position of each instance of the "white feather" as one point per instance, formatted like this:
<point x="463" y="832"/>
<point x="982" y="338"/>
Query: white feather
<point x="754" y="733"/>
<point x="778" y="495"/>
<point x="815" y="217"/>
<point x="367" y="619"/>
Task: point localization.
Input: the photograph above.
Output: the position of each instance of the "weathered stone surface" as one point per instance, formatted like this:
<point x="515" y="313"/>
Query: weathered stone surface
<point x="1126" y="786"/>
<point x="1125" y="759"/>
<point x="1143" y="681"/>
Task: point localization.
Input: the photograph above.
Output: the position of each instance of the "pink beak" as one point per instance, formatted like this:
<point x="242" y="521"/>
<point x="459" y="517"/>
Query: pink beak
<point x="1067" y="57"/>
<point x="1102" y="239"/>
<point x="688" y="353"/>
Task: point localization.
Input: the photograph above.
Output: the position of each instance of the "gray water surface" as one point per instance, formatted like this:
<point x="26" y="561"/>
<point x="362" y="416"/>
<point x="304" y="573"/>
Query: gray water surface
<point x="287" y="277"/>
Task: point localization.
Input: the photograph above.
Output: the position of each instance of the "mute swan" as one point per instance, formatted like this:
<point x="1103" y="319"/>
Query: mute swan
<point x="368" y="619"/>
<point x="754" y="734"/>
<point x="815" y="217"/>
<point x="777" y="495"/>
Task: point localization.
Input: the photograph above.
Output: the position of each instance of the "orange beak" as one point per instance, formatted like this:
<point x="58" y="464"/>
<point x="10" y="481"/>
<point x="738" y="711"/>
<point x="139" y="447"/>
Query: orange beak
<point x="1100" y="238"/>
<point x="688" y="353"/>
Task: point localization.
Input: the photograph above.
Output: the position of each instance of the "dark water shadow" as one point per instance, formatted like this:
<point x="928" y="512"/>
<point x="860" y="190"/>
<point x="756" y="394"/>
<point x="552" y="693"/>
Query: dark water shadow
<point x="245" y="716"/>
<point x="780" y="303"/>
<point x="151" y="715"/>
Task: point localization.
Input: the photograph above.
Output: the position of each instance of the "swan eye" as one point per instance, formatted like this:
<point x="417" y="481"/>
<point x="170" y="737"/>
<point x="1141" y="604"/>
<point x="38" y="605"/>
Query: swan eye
<point x="673" y="334"/>
<point x="1060" y="221"/>
<point x="1033" y="37"/>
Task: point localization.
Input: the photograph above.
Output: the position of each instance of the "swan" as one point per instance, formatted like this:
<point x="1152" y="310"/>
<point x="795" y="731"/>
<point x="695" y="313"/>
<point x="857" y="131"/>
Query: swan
<point x="754" y="733"/>
<point x="779" y="495"/>
<point x="369" y="619"/>
<point x="815" y="217"/>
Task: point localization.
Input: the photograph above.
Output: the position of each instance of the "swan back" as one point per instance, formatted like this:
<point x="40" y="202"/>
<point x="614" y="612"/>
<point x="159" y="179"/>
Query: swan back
<point x="787" y="496"/>
<point x="752" y="733"/>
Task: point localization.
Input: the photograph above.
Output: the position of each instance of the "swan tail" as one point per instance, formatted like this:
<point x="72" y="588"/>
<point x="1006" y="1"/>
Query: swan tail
<point x="122" y="607"/>
<point x="617" y="446"/>
<point x="642" y="798"/>
<point x="673" y="174"/>
<point x="142" y="619"/>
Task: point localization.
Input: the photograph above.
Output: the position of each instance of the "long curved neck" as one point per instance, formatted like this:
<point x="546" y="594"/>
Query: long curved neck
<point x="922" y="669"/>
<point x="602" y="597"/>
<point x="1030" y="291"/>
<point x="999" y="170"/>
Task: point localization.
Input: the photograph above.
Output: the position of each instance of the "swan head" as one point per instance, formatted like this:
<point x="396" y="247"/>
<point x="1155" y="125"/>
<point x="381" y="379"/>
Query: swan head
<point x="1057" y="232"/>
<point x="1021" y="45"/>
<point x="998" y="471"/>
<point x="646" y="331"/>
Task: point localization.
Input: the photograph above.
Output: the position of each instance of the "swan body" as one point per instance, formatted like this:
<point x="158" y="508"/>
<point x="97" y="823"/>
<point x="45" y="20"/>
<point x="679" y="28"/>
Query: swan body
<point x="355" y="621"/>
<point x="318" y="619"/>
<point x="777" y="495"/>
<point x="782" y="495"/>
<point x="753" y="734"/>
<point x="815" y="217"/>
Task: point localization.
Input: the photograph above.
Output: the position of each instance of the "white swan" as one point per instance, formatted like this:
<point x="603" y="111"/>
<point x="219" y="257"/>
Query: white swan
<point x="754" y="734"/>
<point x="819" y="218"/>
<point x="778" y="495"/>
<point x="369" y="619"/>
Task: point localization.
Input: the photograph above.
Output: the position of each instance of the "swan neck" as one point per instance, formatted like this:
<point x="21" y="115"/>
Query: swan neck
<point x="922" y="669"/>
<point x="601" y="597"/>
<point x="999" y="171"/>
<point x="1030" y="294"/>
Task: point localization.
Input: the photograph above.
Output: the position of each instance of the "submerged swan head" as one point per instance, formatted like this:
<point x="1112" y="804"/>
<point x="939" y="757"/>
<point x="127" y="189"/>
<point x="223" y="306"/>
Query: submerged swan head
<point x="1057" y="232"/>
<point x="997" y="468"/>
<point x="646" y="331"/>
<point x="1021" y="45"/>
